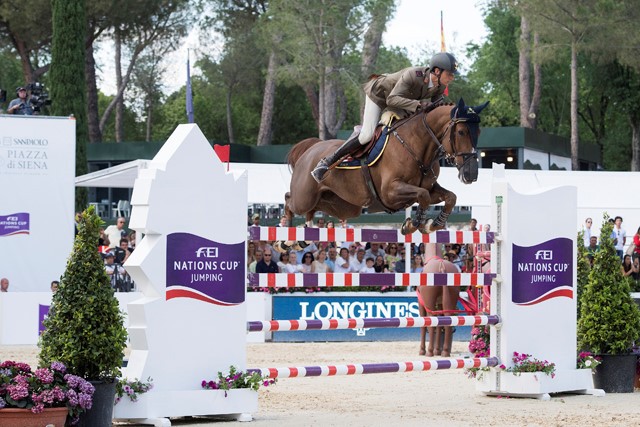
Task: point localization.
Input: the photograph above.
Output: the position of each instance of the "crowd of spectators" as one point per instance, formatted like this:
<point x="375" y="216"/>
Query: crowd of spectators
<point x="355" y="257"/>
<point x="116" y="245"/>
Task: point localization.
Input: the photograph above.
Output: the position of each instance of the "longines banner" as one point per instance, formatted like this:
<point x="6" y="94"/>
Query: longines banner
<point x="37" y="171"/>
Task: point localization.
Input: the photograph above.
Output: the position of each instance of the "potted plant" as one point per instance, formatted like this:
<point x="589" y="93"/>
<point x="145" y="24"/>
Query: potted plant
<point x="609" y="319"/>
<point x="84" y="329"/>
<point x="45" y="396"/>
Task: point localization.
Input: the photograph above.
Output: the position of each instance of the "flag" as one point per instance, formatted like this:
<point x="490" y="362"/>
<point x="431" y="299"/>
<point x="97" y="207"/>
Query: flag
<point x="443" y="48"/>
<point x="223" y="152"/>
<point x="189" y="93"/>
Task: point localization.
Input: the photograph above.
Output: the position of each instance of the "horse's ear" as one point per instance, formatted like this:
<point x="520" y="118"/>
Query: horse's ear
<point x="461" y="104"/>
<point x="480" y="107"/>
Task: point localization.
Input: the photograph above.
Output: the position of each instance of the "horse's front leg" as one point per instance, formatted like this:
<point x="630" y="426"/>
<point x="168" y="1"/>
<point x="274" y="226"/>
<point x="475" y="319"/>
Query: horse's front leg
<point x="440" y="194"/>
<point x="404" y="195"/>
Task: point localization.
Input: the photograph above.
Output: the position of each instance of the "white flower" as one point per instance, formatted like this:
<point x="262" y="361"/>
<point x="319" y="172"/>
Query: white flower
<point x="587" y="363"/>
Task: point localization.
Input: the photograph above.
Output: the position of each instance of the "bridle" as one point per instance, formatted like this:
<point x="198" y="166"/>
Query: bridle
<point x="451" y="129"/>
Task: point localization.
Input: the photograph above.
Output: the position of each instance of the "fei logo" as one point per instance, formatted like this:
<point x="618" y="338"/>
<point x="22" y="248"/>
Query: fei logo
<point x="205" y="270"/>
<point x="542" y="272"/>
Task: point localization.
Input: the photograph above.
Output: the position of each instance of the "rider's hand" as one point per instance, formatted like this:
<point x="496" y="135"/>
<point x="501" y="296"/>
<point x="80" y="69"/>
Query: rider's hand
<point x="424" y="105"/>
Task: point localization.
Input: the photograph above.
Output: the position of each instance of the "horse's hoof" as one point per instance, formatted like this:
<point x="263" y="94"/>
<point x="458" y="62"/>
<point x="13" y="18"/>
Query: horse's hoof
<point x="407" y="227"/>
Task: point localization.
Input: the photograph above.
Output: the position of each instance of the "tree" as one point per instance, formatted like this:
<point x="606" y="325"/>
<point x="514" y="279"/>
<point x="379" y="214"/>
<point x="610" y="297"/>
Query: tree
<point x="147" y="88"/>
<point x="67" y="75"/>
<point x="529" y="102"/>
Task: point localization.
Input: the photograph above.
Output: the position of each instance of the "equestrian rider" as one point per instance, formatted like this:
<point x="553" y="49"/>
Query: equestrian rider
<point x="401" y="93"/>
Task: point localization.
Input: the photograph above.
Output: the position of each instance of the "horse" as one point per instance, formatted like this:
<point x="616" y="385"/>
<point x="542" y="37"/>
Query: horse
<point x="405" y="173"/>
<point x="435" y="300"/>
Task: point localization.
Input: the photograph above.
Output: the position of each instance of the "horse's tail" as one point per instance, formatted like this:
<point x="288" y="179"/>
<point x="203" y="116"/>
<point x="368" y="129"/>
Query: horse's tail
<point x="299" y="149"/>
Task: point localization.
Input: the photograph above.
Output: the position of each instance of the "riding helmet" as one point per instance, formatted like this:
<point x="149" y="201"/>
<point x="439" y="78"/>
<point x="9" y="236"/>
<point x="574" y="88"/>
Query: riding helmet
<point x="444" y="61"/>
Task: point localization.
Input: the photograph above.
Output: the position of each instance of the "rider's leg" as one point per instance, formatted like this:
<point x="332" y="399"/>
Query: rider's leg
<point x="370" y="121"/>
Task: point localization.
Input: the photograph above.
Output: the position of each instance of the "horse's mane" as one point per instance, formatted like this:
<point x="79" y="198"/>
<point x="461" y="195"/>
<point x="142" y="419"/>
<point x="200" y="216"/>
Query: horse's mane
<point x="299" y="149"/>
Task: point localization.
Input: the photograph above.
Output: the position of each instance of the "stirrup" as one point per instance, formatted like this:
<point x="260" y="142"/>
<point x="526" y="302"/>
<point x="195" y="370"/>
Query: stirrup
<point x="320" y="170"/>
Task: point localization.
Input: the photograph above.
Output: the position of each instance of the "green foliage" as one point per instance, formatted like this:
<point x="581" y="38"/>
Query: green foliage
<point x="85" y="329"/>
<point x="67" y="77"/>
<point x="609" y="319"/>
<point x="583" y="268"/>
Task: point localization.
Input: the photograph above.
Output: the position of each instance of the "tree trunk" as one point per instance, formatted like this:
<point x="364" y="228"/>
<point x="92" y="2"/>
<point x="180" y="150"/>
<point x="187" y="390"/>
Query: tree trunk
<point x="635" y="144"/>
<point x="268" y="101"/>
<point x="537" y="86"/>
<point x="119" y="102"/>
<point x="93" y="117"/>
<point x="524" y="64"/>
<point x="232" y="139"/>
<point x="312" y="96"/>
<point x="149" y="121"/>
<point x="575" y="164"/>
<point x="322" y="134"/>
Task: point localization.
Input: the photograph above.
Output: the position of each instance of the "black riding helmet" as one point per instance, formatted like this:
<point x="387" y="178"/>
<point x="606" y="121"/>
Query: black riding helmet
<point x="444" y="61"/>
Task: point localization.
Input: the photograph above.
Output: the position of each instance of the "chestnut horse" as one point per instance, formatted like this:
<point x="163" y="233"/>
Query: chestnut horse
<point x="406" y="173"/>
<point x="437" y="300"/>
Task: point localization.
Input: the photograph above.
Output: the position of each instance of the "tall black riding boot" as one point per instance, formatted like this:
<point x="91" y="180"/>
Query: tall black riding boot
<point x="345" y="149"/>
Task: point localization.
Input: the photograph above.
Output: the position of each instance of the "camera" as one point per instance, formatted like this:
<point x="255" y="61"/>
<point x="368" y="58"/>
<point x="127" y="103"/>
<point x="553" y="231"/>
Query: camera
<point x="39" y="97"/>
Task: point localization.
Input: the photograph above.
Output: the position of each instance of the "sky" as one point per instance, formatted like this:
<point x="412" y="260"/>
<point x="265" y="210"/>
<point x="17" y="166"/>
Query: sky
<point x="415" y="27"/>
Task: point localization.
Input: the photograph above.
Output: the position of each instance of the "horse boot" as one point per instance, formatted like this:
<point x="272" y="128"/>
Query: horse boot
<point x="345" y="149"/>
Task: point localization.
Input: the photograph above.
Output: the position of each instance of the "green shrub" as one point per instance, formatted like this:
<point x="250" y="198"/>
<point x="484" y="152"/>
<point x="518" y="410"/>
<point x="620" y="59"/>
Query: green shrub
<point x="609" y="319"/>
<point x="583" y="269"/>
<point x="84" y="329"/>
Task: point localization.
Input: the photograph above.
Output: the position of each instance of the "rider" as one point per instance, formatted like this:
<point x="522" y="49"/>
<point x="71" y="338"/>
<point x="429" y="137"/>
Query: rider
<point x="401" y="93"/>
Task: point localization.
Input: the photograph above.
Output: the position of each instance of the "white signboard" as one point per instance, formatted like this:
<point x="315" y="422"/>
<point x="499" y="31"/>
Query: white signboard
<point x="37" y="173"/>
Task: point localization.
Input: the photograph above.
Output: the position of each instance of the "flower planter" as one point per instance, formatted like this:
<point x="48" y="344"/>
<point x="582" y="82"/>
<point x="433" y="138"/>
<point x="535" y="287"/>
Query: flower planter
<point x="176" y="403"/>
<point x="101" y="411"/>
<point x="12" y="417"/>
<point x="535" y="384"/>
<point x="616" y="373"/>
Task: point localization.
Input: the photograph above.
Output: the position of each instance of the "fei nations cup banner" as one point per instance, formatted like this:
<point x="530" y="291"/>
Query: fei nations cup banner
<point x="37" y="172"/>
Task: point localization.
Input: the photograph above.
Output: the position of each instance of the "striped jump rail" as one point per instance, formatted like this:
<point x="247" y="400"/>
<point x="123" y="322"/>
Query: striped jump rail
<point x="367" y="235"/>
<point x="375" y="368"/>
<point x="294" y="280"/>
<point x="368" y="322"/>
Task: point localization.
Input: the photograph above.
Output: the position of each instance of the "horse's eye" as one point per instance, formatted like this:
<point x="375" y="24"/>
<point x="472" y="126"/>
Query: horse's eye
<point x="460" y="132"/>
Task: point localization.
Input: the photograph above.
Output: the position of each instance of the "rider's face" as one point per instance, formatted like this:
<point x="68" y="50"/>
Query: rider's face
<point x="446" y="77"/>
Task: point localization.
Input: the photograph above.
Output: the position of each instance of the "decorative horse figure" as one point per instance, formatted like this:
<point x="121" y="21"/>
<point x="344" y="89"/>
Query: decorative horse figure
<point x="406" y="173"/>
<point x="436" y="300"/>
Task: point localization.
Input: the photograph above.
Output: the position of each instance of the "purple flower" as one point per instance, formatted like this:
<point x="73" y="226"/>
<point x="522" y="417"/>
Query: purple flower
<point x="18" y="391"/>
<point x="2" y="403"/>
<point x="87" y="387"/>
<point x="44" y="375"/>
<point x="58" y="366"/>
<point x="72" y="397"/>
<point x="85" y="400"/>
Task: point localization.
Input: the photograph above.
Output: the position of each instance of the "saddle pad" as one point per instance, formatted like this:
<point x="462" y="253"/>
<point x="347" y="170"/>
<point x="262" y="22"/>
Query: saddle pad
<point x="373" y="155"/>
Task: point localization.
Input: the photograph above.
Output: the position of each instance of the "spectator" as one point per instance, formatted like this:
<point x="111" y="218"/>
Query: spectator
<point x="54" y="286"/>
<point x="368" y="266"/>
<point x="257" y="258"/>
<point x="628" y="268"/>
<point x="251" y="253"/>
<point x="380" y="266"/>
<point x="473" y="224"/>
<point x="636" y="275"/>
<point x="321" y="223"/>
<point x="103" y="239"/>
<point x="284" y="260"/>
<point x="587" y="231"/>
<point x="374" y="251"/>
<point x="116" y="272"/>
<point x="451" y="256"/>
<point x="122" y="252"/>
<point x="621" y="236"/>
<point x="293" y="266"/>
<point x="320" y="265"/>
<point x="455" y="256"/>
<point x="331" y="224"/>
<point x="358" y="263"/>
<point x="342" y="262"/>
<point x="392" y="256"/>
<point x="283" y="222"/>
<point x="401" y="263"/>
<point x="267" y="265"/>
<point x="20" y="105"/>
<point x="132" y="240"/>
<point x="4" y="285"/>
<point x="115" y="232"/>
<point x="331" y="260"/>
<point x="416" y="264"/>
<point x="255" y="220"/>
<point x="307" y="260"/>
<point x="593" y="246"/>
<point x="636" y="243"/>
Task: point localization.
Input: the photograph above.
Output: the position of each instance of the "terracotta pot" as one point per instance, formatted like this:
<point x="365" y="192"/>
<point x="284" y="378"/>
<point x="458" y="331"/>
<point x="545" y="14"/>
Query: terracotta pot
<point x="13" y="417"/>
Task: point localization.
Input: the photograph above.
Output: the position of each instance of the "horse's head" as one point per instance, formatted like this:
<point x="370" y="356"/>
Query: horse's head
<point x="464" y="129"/>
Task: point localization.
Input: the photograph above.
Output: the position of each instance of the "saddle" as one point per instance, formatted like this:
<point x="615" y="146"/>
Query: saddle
<point x="369" y="153"/>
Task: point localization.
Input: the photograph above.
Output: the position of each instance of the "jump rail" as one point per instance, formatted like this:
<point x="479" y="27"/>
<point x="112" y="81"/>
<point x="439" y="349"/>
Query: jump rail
<point x="390" y="322"/>
<point x="292" y="280"/>
<point x="375" y="368"/>
<point x="367" y="235"/>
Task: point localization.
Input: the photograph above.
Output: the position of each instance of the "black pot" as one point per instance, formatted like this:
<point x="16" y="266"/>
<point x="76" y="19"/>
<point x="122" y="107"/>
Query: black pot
<point x="101" y="412"/>
<point x="616" y="373"/>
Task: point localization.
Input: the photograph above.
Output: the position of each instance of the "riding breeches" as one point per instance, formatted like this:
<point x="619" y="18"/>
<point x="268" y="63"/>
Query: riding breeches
<point x="370" y="120"/>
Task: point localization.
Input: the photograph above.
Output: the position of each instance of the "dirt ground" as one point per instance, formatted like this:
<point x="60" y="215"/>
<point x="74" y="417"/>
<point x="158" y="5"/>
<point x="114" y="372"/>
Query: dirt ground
<point x="443" y="398"/>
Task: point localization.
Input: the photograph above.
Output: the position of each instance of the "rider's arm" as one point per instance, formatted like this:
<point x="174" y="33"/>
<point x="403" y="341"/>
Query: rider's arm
<point x="407" y="90"/>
